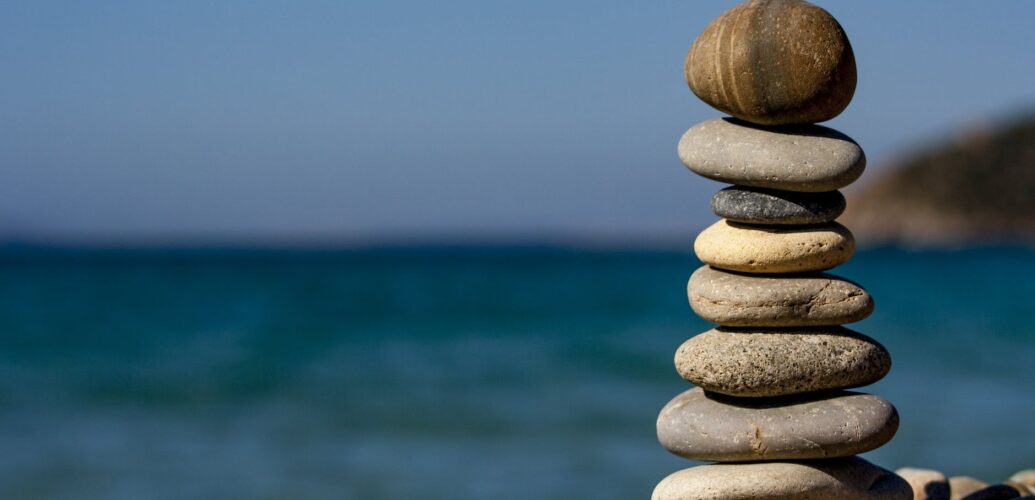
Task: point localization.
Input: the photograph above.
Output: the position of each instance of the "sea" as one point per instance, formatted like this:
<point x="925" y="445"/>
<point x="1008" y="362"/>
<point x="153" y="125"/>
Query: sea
<point x="444" y="372"/>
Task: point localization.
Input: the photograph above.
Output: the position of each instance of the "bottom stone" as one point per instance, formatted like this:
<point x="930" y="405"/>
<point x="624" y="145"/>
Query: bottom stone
<point x="850" y="478"/>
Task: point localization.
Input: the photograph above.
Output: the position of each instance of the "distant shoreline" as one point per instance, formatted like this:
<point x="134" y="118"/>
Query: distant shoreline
<point x="23" y="252"/>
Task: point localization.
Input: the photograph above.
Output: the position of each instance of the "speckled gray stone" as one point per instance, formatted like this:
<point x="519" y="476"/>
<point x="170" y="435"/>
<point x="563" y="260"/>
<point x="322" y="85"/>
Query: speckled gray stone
<point x="769" y="206"/>
<point x="815" y="299"/>
<point x="807" y="158"/>
<point x="706" y="426"/>
<point x="768" y="362"/>
<point x="842" y="478"/>
<point x="927" y="484"/>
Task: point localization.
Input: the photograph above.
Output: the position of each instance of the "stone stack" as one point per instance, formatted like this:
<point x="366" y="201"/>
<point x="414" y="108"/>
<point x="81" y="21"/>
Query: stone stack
<point x="770" y="404"/>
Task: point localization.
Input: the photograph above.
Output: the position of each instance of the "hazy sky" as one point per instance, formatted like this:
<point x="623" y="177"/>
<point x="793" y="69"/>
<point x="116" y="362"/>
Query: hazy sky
<point x="364" y="120"/>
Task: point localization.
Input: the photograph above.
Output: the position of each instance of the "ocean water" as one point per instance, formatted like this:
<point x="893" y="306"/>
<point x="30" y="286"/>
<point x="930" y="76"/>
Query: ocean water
<point x="448" y="373"/>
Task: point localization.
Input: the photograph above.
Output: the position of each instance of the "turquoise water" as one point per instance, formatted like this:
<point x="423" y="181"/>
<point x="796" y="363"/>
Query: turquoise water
<point x="443" y="373"/>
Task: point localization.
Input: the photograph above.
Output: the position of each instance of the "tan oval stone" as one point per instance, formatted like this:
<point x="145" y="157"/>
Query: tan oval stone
<point x="843" y="478"/>
<point x="774" y="62"/>
<point x="807" y="158"/>
<point x="927" y="484"/>
<point x="762" y="363"/>
<point x="705" y="426"/>
<point x="774" y="249"/>
<point x="734" y="299"/>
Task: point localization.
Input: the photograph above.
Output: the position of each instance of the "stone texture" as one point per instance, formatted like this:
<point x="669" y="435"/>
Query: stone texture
<point x="961" y="486"/>
<point x="767" y="362"/>
<point x="774" y="62"/>
<point x="774" y="249"/>
<point x="705" y="426"/>
<point x="734" y="299"/>
<point x="806" y="158"/>
<point x="844" y="479"/>
<point x="767" y="206"/>
<point x="927" y="484"/>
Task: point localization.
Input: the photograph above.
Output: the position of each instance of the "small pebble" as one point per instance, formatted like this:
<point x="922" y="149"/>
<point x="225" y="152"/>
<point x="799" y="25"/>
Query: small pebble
<point x="927" y="484"/>
<point x="1025" y="477"/>
<point x="750" y="205"/>
<point x="961" y="486"/>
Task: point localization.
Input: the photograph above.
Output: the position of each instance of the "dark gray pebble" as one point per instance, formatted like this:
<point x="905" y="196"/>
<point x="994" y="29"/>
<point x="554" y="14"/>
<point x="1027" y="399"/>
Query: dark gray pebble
<point x="769" y="206"/>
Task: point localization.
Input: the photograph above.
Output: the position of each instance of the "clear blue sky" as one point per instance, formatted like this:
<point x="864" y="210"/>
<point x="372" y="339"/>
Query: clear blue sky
<point x="350" y="120"/>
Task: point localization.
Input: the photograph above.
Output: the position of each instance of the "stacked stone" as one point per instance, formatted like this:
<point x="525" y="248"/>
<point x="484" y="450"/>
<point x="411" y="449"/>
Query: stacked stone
<point x="770" y="404"/>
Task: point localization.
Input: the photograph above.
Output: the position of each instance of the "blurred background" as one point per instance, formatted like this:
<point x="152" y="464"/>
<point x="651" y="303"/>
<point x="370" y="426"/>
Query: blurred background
<point x="438" y="250"/>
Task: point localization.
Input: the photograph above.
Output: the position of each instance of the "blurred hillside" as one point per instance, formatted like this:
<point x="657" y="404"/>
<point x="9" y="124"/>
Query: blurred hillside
<point x="978" y="188"/>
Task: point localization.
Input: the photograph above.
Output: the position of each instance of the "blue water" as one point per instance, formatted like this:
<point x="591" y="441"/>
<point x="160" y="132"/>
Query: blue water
<point x="443" y="373"/>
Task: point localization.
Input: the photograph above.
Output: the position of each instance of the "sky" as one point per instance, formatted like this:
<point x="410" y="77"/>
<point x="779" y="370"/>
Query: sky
<point x="370" y="121"/>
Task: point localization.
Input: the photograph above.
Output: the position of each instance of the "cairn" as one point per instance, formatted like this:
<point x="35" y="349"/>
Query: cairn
<point x="770" y="404"/>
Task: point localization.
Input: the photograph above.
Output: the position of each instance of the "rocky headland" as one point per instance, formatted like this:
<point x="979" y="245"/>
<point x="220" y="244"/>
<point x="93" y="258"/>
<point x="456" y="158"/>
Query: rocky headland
<point x="976" y="189"/>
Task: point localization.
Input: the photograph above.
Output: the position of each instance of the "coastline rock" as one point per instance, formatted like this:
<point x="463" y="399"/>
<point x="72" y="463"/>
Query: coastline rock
<point x="806" y="158"/>
<point x="751" y="363"/>
<point x="750" y="205"/>
<point x="733" y="299"/>
<point x="961" y="486"/>
<point x="774" y="62"/>
<point x="927" y="484"/>
<point x="974" y="189"/>
<point x="844" y="478"/>
<point x="774" y="249"/>
<point x="703" y="426"/>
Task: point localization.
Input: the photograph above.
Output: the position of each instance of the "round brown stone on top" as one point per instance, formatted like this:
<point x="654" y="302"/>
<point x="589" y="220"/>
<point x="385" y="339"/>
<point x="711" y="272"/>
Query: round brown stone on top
<point x="774" y="62"/>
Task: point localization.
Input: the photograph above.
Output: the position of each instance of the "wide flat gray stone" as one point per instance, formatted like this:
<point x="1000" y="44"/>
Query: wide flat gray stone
<point x="754" y="362"/>
<point x="704" y="426"/>
<point x="737" y="299"/>
<point x="842" y="478"/>
<point x="808" y="158"/>
<point x="769" y="206"/>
